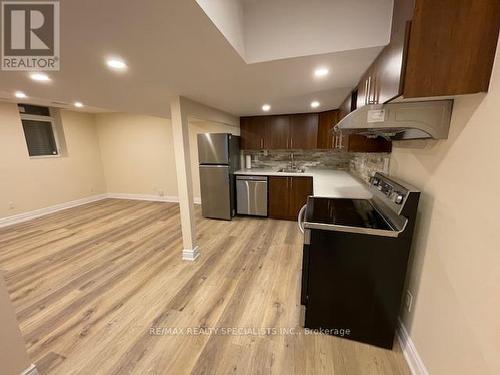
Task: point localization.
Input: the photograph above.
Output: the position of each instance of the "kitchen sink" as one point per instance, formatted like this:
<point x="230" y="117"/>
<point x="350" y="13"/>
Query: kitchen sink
<point x="291" y="170"/>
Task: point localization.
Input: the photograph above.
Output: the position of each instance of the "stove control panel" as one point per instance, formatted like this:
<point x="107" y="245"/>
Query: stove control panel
<point x="392" y="192"/>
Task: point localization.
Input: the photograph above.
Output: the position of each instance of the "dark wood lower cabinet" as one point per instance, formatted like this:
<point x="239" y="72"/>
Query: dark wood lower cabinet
<point x="287" y="195"/>
<point x="279" y="197"/>
<point x="300" y="189"/>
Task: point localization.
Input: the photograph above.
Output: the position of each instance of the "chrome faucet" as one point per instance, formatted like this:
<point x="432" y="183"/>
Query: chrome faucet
<point x="292" y="161"/>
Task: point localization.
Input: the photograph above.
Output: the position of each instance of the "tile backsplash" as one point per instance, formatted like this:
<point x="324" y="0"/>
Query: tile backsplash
<point x="364" y="165"/>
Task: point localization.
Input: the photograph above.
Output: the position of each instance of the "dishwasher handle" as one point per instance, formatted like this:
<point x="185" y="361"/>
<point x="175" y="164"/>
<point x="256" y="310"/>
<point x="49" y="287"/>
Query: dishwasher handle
<point x="300" y="219"/>
<point x="251" y="178"/>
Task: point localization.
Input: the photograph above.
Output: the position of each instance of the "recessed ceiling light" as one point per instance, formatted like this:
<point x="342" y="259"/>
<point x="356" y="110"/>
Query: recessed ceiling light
<point x="266" y="107"/>
<point x="78" y="105"/>
<point x="40" y="77"/>
<point x="116" y="64"/>
<point x="20" y="95"/>
<point x="315" y="104"/>
<point x="321" y="72"/>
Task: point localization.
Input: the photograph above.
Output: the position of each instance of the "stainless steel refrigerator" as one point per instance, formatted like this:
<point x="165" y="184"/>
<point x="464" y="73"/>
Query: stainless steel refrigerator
<point x="219" y="158"/>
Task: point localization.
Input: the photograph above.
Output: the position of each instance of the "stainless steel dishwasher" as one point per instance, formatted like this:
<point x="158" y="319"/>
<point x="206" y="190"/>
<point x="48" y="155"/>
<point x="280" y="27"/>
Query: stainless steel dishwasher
<point x="251" y="195"/>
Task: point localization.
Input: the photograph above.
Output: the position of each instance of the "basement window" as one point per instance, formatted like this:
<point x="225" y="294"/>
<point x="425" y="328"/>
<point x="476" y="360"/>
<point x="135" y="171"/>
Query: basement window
<point x="39" y="132"/>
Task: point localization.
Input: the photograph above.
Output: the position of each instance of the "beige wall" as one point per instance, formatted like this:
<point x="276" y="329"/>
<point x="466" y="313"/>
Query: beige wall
<point x="455" y="277"/>
<point x="138" y="154"/>
<point x="113" y="152"/>
<point x="31" y="184"/>
<point x="13" y="356"/>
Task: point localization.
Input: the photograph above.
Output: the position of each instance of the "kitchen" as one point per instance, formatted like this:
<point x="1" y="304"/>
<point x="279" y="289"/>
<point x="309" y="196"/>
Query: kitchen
<point x="292" y="166"/>
<point x="252" y="187"/>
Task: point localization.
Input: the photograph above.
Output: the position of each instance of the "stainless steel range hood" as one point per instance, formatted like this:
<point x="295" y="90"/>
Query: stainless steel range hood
<point x="400" y="121"/>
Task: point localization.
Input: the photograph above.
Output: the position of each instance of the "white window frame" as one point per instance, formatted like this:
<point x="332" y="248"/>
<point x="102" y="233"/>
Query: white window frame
<point x="25" y="116"/>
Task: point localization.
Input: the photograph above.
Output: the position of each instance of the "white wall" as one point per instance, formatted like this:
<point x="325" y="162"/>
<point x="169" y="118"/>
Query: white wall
<point x="264" y="30"/>
<point x="227" y="15"/>
<point x="290" y="28"/>
<point x="29" y="184"/>
<point x="455" y="271"/>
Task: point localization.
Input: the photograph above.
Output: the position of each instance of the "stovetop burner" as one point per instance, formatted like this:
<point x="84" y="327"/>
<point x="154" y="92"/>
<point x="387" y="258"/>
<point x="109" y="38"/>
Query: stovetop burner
<point x="358" y="213"/>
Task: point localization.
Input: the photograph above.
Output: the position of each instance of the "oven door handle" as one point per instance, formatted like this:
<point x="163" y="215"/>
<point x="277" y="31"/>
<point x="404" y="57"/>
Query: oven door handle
<point x="300" y="219"/>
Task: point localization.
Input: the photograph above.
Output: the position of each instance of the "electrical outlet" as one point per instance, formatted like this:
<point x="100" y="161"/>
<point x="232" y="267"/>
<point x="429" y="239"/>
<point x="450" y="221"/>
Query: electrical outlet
<point x="408" y="300"/>
<point x="161" y="193"/>
<point x="11" y="205"/>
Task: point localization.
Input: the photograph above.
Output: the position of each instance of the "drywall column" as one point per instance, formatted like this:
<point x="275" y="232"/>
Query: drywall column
<point x="180" y="130"/>
<point x="13" y="356"/>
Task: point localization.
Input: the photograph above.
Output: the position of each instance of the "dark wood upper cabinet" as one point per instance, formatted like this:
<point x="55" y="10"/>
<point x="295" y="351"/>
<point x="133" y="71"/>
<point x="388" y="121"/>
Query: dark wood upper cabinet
<point x="383" y="81"/>
<point x="326" y="122"/>
<point x="446" y="49"/>
<point x="287" y="195"/>
<point x="389" y="67"/>
<point x="253" y="132"/>
<point x="277" y="133"/>
<point x="360" y="143"/>
<point x="402" y="13"/>
<point x="364" y="89"/>
<point x="345" y="107"/>
<point x="451" y="48"/>
<point x="304" y="131"/>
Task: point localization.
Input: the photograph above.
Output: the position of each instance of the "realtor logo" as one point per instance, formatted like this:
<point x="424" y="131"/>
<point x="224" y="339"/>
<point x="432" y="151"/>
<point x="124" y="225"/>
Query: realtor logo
<point x="30" y="35"/>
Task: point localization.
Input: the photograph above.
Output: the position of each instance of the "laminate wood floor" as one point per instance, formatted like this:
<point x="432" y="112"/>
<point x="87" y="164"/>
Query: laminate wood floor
<point x="89" y="283"/>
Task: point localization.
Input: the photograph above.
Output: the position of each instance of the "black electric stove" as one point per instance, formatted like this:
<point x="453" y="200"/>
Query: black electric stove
<point x="355" y="258"/>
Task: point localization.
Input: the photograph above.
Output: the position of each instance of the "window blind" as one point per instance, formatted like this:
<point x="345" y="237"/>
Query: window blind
<point x="39" y="137"/>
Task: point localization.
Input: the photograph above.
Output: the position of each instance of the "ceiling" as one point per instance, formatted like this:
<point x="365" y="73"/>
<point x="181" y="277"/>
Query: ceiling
<point x="174" y="48"/>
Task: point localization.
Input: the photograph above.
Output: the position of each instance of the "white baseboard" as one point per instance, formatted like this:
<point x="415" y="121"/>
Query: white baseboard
<point x="417" y="366"/>
<point x="25" y="216"/>
<point x="149" y="197"/>
<point x="30" y="370"/>
<point x="190" y="254"/>
<point x="143" y="197"/>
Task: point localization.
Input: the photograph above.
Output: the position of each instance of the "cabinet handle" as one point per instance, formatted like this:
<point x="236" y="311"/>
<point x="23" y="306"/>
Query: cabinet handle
<point x="261" y="143"/>
<point x="367" y="87"/>
<point x="371" y="93"/>
<point x="368" y="92"/>
<point x="340" y="142"/>
<point x="291" y="182"/>
<point x="291" y="142"/>
<point x="373" y="101"/>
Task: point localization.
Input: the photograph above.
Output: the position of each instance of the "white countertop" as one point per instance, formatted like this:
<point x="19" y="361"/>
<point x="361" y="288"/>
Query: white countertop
<point x="329" y="183"/>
